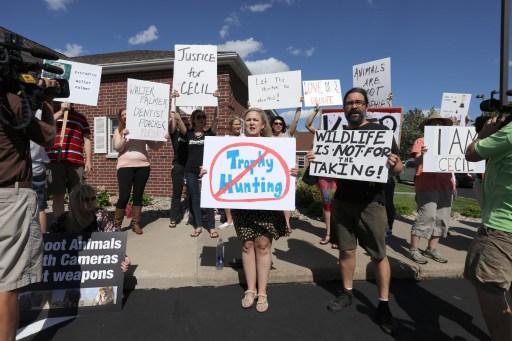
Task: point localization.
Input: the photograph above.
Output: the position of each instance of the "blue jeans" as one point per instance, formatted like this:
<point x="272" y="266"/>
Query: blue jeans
<point x="194" y="191"/>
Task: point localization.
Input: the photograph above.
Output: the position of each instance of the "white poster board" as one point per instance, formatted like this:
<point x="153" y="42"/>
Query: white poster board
<point x="322" y="92"/>
<point x="195" y="75"/>
<point x="352" y="154"/>
<point x="280" y="90"/>
<point x="248" y="173"/>
<point x="84" y="81"/>
<point x="392" y="120"/>
<point x="147" y="110"/>
<point x="455" y="107"/>
<point x="446" y="150"/>
<point x="375" y="78"/>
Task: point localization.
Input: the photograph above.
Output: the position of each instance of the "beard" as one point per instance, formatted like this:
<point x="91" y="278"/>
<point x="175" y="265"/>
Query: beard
<point x="355" y="117"/>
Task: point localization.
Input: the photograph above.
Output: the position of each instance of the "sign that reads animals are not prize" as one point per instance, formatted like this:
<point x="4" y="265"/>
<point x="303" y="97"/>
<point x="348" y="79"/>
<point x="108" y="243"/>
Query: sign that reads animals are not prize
<point x="275" y="90"/>
<point x="147" y="110"/>
<point x="352" y="154"/>
<point x="375" y="78"/>
<point x="249" y="173"/>
<point x="447" y="148"/>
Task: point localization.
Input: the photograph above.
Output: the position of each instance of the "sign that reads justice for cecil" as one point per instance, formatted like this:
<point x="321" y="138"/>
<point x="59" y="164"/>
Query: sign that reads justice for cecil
<point x="147" y="110"/>
<point x="352" y="154"/>
<point x="249" y="173"/>
<point x="446" y="150"/>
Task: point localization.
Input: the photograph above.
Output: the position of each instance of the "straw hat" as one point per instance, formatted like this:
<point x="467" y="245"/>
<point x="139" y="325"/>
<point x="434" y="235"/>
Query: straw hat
<point x="435" y="118"/>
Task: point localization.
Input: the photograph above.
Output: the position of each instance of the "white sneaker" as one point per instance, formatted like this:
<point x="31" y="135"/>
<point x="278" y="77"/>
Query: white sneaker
<point x="225" y="225"/>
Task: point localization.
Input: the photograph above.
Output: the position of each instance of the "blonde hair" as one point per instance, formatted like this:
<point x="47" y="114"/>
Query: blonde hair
<point x="265" y="132"/>
<point x="232" y="120"/>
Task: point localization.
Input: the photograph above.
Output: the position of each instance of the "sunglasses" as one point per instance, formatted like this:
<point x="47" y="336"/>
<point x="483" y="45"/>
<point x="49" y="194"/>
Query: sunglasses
<point x="200" y="117"/>
<point x="277" y="123"/>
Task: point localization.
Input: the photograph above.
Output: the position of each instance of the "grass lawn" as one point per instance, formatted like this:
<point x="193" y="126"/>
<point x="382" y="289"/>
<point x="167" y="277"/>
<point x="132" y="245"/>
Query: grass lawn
<point x="401" y="187"/>
<point x="468" y="207"/>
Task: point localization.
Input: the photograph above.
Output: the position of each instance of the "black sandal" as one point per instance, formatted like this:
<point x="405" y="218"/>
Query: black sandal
<point x="172" y="224"/>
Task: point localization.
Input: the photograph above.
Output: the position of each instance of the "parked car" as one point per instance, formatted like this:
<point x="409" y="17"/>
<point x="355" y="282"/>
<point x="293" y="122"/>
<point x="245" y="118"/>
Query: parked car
<point x="409" y="172"/>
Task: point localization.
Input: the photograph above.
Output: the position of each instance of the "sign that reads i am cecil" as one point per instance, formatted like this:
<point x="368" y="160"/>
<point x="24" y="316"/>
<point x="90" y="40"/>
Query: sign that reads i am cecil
<point x="352" y="154"/>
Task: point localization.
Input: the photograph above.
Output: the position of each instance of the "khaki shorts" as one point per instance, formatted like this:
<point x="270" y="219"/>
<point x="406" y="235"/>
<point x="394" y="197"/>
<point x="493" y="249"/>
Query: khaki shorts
<point x="62" y="176"/>
<point x="434" y="212"/>
<point x="365" y="223"/>
<point x="21" y="247"/>
<point x="489" y="259"/>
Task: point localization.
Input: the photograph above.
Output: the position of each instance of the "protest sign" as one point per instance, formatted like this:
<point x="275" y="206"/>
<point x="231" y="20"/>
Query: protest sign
<point x="324" y="92"/>
<point x="195" y="75"/>
<point x="455" y="107"/>
<point x="352" y="154"/>
<point x="333" y="119"/>
<point x="375" y="78"/>
<point x="275" y="90"/>
<point x="81" y="272"/>
<point x="84" y="81"/>
<point x="147" y="110"/>
<point x="249" y="173"/>
<point x="446" y="150"/>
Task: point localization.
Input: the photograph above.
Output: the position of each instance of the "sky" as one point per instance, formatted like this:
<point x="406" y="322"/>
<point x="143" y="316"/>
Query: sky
<point x="435" y="46"/>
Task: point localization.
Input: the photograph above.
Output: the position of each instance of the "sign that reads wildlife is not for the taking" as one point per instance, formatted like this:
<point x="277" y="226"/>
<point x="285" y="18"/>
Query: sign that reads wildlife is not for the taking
<point x="455" y="107"/>
<point x="375" y="78"/>
<point x="195" y="75"/>
<point x="80" y="272"/>
<point x="275" y="90"/>
<point x="147" y="110"/>
<point x="352" y="154"/>
<point x="84" y="81"/>
<point x="249" y="173"/>
<point x="322" y="93"/>
<point x="446" y="150"/>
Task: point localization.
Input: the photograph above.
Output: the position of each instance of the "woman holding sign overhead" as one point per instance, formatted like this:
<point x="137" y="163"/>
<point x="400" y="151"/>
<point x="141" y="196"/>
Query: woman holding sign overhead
<point x="195" y="138"/>
<point x="257" y="228"/>
<point x="132" y="171"/>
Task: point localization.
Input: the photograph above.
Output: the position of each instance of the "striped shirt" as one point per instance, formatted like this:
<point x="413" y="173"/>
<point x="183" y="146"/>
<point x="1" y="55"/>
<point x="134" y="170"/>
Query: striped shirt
<point x="72" y="150"/>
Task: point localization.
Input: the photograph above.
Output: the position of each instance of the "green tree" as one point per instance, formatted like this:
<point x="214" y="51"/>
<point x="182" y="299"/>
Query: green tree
<point x="411" y="130"/>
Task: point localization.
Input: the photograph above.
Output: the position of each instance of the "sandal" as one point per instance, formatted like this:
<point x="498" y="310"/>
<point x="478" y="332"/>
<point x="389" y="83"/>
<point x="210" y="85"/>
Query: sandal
<point x="248" y="299"/>
<point x="214" y="234"/>
<point x="172" y="224"/>
<point x="196" y="233"/>
<point x="335" y="246"/>
<point x="326" y="240"/>
<point x="262" y="304"/>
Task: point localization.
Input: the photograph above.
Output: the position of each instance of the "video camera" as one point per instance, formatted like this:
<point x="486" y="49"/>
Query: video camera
<point x="492" y="107"/>
<point x="21" y="76"/>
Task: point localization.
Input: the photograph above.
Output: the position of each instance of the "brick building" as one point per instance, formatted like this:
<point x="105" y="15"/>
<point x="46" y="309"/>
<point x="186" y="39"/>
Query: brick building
<point x="155" y="66"/>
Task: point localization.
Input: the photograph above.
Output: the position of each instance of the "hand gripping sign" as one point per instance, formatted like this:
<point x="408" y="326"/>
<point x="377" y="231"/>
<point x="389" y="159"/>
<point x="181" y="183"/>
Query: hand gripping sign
<point x="248" y="173"/>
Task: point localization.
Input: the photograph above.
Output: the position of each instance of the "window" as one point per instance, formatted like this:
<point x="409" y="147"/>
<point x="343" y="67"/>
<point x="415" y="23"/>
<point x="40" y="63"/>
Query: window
<point x="104" y="128"/>
<point x="301" y="161"/>
<point x="113" y="124"/>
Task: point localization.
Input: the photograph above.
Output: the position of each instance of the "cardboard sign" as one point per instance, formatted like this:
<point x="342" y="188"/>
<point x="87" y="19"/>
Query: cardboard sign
<point x="275" y="90"/>
<point x="375" y="78"/>
<point x="333" y="119"/>
<point x="195" y="75"/>
<point x="352" y="154"/>
<point x="323" y="93"/>
<point x="249" y="173"/>
<point x="446" y="149"/>
<point x="81" y="273"/>
<point x="147" y="110"/>
<point x="455" y="107"/>
<point x="84" y="81"/>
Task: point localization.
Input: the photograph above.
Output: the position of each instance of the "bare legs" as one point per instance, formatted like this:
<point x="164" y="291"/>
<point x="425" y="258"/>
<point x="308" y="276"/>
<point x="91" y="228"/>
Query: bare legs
<point x="432" y="243"/>
<point x="58" y="205"/>
<point x="8" y="315"/>
<point x="257" y="259"/>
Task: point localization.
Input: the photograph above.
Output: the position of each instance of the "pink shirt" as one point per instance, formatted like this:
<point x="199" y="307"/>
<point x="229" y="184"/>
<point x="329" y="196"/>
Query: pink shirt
<point x="429" y="182"/>
<point x="133" y="153"/>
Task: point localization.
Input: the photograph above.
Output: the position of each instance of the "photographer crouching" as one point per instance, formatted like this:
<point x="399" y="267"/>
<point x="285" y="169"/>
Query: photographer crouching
<point x="20" y="235"/>
<point x="489" y="259"/>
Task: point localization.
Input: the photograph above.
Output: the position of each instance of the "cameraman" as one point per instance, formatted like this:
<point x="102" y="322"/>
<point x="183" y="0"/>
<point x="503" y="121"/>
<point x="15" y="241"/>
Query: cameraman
<point x="489" y="259"/>
<point x="20" y="236"/>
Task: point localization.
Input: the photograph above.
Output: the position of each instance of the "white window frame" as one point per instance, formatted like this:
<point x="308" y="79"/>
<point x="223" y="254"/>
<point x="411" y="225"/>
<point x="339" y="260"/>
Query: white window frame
<point x="301" y="158"/>
<point x="111" y="124"/>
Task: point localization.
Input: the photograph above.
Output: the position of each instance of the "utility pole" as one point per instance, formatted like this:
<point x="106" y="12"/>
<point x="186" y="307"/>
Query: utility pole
<point x="505" y="10"/>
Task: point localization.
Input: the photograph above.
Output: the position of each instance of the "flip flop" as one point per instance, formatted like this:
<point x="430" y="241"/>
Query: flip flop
<point x="325" y="240"/>
<point x="196" y="233"/>
<point x="214" y="234"/>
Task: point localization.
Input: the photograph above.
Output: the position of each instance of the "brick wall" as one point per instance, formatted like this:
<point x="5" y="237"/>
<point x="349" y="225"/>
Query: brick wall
<point x="112" y="97"/>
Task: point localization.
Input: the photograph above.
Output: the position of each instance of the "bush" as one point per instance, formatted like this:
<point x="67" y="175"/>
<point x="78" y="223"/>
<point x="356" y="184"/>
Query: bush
<point x="471" y="212"/>
<point x="102" y="199"/>
<point x="308" y="200"/>
<point x="146" y="199"/>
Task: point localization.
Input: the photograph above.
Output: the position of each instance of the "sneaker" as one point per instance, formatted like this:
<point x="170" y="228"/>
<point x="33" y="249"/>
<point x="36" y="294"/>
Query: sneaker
<point x="225" y="225"/>
<point x="435" y="255"/>
<point x="342" y="301"/>
<point x="384" y="317"/>
<point x="416" y="256"/>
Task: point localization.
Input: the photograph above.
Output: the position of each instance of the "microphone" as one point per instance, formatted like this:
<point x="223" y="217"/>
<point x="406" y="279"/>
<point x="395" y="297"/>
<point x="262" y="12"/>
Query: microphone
<point x="47" y="67"/>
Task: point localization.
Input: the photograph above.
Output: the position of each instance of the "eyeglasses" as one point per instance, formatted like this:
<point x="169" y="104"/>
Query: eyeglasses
<point x="200" y="117"/>
<point x="355" y="103"/>
<point x="277" y="123"/>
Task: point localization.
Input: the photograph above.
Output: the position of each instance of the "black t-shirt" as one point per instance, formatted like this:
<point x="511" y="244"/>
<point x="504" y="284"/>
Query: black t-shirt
<point x="195" y="150"/>
<point x="364" y="192"/>
<point x="180" y="147"/>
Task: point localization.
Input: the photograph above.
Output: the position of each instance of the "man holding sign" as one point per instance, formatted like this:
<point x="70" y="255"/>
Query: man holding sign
<point x="359" y="214"/>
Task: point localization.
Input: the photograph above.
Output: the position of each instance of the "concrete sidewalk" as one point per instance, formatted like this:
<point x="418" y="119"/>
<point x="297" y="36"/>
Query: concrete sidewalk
<point x="168" y="258"/>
